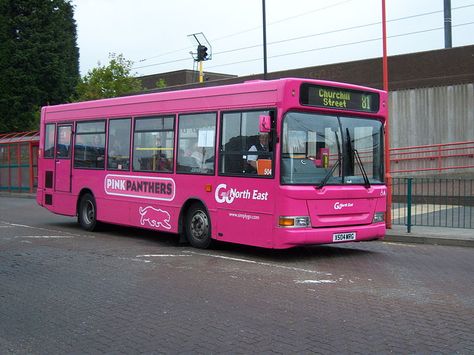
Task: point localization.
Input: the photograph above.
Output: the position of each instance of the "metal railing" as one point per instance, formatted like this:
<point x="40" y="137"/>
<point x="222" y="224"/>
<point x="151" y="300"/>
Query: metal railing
<point x="432" y="158"/>
<point x="433" y="202"/>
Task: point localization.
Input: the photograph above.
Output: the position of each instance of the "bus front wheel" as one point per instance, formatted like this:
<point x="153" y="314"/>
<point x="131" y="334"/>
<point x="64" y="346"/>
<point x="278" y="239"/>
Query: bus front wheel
<point x="198" y="226"/>
<point x="87" y="213"/>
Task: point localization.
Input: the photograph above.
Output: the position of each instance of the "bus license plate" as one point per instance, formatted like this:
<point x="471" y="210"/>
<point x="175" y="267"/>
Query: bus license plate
<point x="343" y="237"/>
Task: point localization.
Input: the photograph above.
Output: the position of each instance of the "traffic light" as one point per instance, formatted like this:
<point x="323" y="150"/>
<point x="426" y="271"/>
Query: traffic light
<point x="201" y="53"/>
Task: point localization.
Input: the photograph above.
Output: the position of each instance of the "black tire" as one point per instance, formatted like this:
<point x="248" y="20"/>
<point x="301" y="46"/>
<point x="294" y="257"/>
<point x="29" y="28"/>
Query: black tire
<point x="198" y="226"/>
<point x="87" y="212"/>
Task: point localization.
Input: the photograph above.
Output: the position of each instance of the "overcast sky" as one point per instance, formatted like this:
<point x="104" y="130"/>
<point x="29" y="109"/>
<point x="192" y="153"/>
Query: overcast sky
<point x="300" y="33"/>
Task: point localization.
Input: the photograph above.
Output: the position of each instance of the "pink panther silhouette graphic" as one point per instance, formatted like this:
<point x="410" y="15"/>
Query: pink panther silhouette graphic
<point x="154" y="217"/>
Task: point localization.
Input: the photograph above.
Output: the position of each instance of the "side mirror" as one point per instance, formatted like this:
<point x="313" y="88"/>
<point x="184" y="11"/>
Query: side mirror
<point x="264" y="124"/>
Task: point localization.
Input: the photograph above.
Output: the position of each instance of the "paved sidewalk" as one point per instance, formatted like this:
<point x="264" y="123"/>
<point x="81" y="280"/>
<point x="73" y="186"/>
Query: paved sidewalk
<point x="431" y="235"/>
<point x="422" y="235"/>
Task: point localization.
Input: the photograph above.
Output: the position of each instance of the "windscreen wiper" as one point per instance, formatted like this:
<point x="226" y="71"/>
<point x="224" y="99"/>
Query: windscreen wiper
<point x="362" y="169"/>
<point x="359" y="161"/>
<point x="329" y="174"/>
<point x="338" y="162"/>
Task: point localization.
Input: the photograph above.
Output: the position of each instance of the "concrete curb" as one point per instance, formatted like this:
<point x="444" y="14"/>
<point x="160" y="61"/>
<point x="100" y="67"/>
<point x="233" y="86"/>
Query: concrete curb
<point x="418" y="239"/>
<point x="18" y="194"/>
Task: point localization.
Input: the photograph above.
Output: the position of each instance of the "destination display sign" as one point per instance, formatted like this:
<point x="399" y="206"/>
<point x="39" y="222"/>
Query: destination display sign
<point x="339" y="98"/>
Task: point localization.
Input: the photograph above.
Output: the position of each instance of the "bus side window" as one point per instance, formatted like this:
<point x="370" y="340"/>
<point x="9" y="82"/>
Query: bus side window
<point x="118" y="149"/>
<point x="89" y="147"/>
<point x="63" y="144"/>
<point x="153" y="144"/>
<point x="49" y="141"/>
<point x="244" y="150"/>
<point x="196" y="143"/>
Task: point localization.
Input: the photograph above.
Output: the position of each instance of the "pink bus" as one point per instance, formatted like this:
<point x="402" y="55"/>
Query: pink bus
<point x="273" y="164"/>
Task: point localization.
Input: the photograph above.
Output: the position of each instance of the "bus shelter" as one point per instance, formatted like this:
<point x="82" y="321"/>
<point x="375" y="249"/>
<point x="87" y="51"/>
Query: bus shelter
<point x="19" y="161"/>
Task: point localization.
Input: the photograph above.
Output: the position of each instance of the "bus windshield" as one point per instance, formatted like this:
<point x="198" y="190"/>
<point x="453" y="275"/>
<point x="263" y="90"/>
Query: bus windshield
<point x="320" y="150"/>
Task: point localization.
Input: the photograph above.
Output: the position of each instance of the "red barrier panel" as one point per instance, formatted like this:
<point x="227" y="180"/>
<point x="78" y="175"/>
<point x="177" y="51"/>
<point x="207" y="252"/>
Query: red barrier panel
<point x="19" y="161"/>
<point x="433" y="157"/>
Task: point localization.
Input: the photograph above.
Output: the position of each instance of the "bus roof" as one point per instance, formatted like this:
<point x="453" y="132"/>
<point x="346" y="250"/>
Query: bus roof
<point x="141" y="104"/>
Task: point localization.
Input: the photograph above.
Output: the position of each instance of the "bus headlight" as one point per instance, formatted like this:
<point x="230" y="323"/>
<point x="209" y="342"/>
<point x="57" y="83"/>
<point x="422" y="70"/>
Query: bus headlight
<point x="294" y="221"/>
<point x="379" y="217"/>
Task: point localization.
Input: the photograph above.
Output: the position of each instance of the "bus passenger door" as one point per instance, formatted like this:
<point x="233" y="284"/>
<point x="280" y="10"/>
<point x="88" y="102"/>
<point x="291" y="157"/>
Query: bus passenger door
<point x="63" y="158"/>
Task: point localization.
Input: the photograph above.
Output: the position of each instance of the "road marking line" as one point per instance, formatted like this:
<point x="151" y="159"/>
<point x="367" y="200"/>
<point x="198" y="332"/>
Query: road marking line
<point x="22" y="225"/>
<point x="44" y="236"/>
<point x="409" y="245"/>
<point x="160" y="255"/>
<point x="135" y="259"/>
<point x="315" y="281"/>
<point x="45" y="229"/>
<point x="259" y="263"/>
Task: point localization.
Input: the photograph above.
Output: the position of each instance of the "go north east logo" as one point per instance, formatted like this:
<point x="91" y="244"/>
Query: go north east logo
<point x="224" y="195"/>
<point x="153" y="188"/>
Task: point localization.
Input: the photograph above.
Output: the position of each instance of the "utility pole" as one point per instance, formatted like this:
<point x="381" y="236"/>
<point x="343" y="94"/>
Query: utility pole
<point x="447" y="24"/>
<point x="264" y="41"/>
<point x="388" y="176"/>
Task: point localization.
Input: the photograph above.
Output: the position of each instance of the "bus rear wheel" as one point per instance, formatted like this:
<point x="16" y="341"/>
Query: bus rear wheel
<point x="198" y="226"/>
<point x="87" y="212"/>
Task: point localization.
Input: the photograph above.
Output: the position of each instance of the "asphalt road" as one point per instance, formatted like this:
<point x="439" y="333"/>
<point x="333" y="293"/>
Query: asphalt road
<point x="63" y="290"/>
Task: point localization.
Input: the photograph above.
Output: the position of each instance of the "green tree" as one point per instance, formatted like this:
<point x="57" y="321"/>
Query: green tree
<point x="111" y="80"/>
<point x="160" y="84"/>
<point x="39" y="59"/>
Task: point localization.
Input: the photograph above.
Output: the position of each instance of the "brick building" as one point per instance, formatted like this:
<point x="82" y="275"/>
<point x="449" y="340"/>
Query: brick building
<point x="441" y="67"/>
